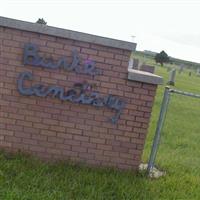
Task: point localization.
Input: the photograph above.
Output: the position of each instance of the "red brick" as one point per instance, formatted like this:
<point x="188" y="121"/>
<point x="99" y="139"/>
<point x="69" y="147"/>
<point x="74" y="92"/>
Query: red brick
<point x="83" y="127"/>
<point x="89" y="51"/>
<point x="100" y="129"/>
<point x="76" y="120"/>
<point x="96" y="58"/>
<point x="3" y="126"/>
<point x="5" y="36"/>
<point x="54" y="45"/>
<point x="22" y="134"/>
<point x="24" y="123"/>
<point x="62" y="52"/>
<point x="49" y="81"/>
<point x="3" y="114"/>
<point x="3" y="103"/>
<point x="53" y="151"/>
<point x="7" y="121"/>
<point x="116" y="92"/>
<point x="147" y="98"/>
<point x="108" y="85"/>
<point x="33" y="119"/>
<point x="71" y="47"/>
<point x="40" y="126"/>
<point x="142" y="119"/>
<point x="113" y="62"/>
<point x="102" y="158"/>
<point x="46" y="144"/>
<point x="55" y="139"/>
<point x="20" y="38"/>
<point x="5" y="144"/>
<point x="47" y="37"/>
<point x="74" y="131"/>
<point x="97" y="140"/>
<point x="125" y="128"/>
<point x="31" y="130"/>
<point x="1" y="137"/>
<point x="91" y="133"/>
<point x="48" y="133"/>
<point x="149" y="86"/>
<point x="67" y="124"/>
<point x="137" y="141"/>
<point x="105" y="54"/>
<point x="122" y="138"/>
<point x="57" y="128"/>
<point x="79" y="149"/>
<point x="6" y="132"/>
<point x="82" y="44"/>
<point x="28" y="101"/>
<point x="111" y="73"/>
<point x="69" y="153"/>
<point x="5" y="91"/>
<point x="72" y="142"/>
<point x="117" y="160"/>
<point x="46" y="49"/>
<point x="133" y="123"/>
<point x="95" y="151"/>
<point x="64" y="135"/>
<point x="11" y="43"/>
<point x="88" y="145"/>
<point x="111" y="153"/>
<point x="86" y="156"/>
<point x="144" y="108"/>
<point x="37" y="148"/>
<point x="104" y="147"/>
<point x="139" y="130"/>
<point x="12" y="139"/>
<point x="39" y="137"/>
<point x="29" y="141"/>
<point x="50" y="121"/>
<point x="38" y="41"/>
<point x="81" y="138"/>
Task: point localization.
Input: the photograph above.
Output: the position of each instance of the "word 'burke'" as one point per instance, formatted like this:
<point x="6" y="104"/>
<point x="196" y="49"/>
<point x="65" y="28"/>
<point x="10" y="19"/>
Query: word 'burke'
<point x="31" y="57"/>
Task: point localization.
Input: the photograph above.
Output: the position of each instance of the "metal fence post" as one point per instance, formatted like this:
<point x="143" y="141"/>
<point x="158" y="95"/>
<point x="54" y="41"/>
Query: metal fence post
<point x="160" y="123"/>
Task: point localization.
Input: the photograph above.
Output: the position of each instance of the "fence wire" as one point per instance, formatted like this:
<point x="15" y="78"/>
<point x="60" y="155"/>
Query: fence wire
<point x="164" y="107"/>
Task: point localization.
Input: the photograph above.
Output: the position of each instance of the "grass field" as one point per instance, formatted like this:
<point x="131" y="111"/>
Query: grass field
<point x="23" y="178"/>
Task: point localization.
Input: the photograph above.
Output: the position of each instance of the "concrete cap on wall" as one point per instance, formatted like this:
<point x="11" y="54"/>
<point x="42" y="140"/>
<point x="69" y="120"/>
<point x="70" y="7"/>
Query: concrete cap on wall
<point x="64" y="33"/>
<point x="146" y="77"/>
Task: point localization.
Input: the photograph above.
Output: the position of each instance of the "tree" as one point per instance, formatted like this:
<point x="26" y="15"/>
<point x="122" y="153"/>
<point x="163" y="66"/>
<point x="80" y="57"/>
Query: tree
<point x="161" y="58"/>
<point x="41" y="21"/>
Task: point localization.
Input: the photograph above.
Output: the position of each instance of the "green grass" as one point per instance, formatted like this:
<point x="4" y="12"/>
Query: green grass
<point x="24" y="178"/>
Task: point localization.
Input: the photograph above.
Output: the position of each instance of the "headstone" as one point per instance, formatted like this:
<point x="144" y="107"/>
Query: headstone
<point x="133" y="63"/>
<point x="168" y="69"/>
<point x="130" y="64"/>
<point x="198" y="72"/>
<point x="181" y="68"/>
<point x="172" y="76"/>
<point x="147" y="68"/>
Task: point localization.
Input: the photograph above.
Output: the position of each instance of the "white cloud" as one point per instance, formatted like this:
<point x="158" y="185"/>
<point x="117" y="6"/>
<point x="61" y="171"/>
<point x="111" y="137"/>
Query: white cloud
<point x="171" y="25"/>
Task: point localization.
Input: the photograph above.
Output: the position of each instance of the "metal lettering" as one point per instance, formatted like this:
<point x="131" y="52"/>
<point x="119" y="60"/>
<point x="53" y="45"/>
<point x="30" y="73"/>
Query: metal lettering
<point x="78" y="94"/>
<point x="31" y="57"/>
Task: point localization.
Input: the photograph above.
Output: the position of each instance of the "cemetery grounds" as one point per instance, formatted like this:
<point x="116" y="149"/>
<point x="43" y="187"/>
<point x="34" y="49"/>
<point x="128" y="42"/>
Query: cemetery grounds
<point x="26" y="178"/>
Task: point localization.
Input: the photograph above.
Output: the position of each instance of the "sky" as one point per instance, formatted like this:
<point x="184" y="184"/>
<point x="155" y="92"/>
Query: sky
<point x="155" y="25"/>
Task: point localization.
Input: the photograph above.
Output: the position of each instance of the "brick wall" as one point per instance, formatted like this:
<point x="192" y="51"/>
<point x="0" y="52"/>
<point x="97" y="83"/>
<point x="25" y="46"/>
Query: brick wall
<point x="52" y="129"/>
